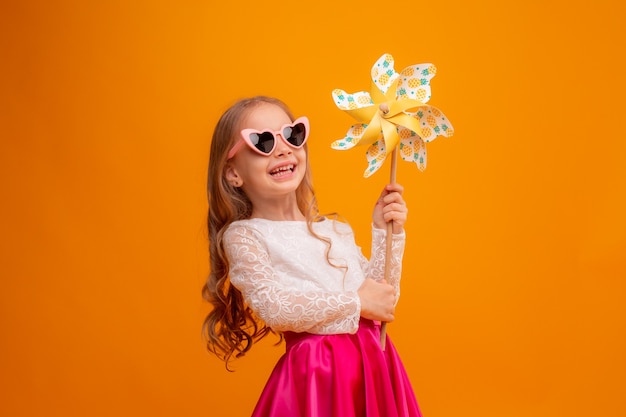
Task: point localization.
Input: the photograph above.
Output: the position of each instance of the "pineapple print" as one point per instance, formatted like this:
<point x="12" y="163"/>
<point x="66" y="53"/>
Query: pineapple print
<point x="416" y="147"/>
<point x="420" y="94"/>
<point x="340" y="99"/>
<point x="373" y="151"/>
<point x="414" y="82"/>
<point x="404" y="133"/>
<point x="357" y="130"/>
<point x="406" y="150"/>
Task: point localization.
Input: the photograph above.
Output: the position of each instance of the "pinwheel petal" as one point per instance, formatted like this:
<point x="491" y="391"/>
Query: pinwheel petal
<point x="414" y="82"/>
<point x="433" y="123"/>
<point x="375" y="155"/>
<point x="383" y="74"/>
<point x="353" y="137"/>
<point x="413" y="149"/>
<point x="345" y="101"/>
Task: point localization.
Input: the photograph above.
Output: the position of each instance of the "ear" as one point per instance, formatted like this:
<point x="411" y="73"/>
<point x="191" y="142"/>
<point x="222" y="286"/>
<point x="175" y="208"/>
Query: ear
<point x="232" y="176"/>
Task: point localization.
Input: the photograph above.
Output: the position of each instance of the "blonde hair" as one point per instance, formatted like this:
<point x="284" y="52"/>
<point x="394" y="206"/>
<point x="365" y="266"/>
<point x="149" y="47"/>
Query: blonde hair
<point x="231" y="327"/>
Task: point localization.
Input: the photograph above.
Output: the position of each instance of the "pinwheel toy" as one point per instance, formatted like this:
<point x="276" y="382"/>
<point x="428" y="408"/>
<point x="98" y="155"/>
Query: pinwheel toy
<point x="393" y="117"/>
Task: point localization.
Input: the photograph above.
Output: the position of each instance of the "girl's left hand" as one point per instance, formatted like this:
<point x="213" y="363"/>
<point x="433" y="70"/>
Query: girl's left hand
<point x="390" y="207"/>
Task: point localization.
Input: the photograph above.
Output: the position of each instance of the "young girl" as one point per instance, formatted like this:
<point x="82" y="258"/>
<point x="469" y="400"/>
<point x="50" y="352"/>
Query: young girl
<point x="278" y="266"/>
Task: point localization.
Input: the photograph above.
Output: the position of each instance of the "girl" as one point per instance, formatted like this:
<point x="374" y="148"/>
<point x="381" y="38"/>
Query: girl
<point x="278" y="266"/>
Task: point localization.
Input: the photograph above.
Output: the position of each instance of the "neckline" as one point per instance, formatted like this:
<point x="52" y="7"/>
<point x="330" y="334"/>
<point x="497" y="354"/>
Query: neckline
<point x="261" y="219"/>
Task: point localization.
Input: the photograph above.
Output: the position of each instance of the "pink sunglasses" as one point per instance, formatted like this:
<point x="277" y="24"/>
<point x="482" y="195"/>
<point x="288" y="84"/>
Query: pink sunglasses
<point x="264" y="142"/>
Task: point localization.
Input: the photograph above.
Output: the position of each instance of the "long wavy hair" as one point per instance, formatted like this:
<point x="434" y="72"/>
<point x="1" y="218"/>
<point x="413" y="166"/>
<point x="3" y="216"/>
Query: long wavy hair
<point x="231" y="328"/>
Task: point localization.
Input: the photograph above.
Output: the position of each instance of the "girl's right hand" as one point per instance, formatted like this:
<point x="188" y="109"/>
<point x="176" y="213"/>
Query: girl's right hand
<point x="377" y="300"/>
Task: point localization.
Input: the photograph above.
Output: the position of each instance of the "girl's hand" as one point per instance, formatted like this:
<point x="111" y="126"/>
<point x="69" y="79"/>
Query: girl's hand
<point x="390" y="207"/>
<point x="377" y="300"/>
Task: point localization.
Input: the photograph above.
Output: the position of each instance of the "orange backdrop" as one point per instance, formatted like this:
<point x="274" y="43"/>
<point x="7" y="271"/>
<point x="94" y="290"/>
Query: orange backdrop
<point x="513" y="292"/>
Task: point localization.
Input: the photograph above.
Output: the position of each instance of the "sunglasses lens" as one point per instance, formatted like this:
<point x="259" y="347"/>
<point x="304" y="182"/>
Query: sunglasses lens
<point x="263" y="141"/>
<point x="295" y="134"/>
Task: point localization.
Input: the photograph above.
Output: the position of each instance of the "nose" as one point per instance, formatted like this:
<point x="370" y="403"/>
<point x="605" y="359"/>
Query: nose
<point x="282" y="148"/>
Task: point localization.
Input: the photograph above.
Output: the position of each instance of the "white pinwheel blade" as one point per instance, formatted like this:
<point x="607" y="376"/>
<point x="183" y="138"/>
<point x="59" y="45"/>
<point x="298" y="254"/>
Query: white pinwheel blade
<point x="414" y="82"/>
<point x="413" y="149"/>
<point x="346" y="101"/>
<point x="433" y="123"/>
<point x="375" y="155"/>
<point x="352" y="138"/>
<point x="383" y="74"/>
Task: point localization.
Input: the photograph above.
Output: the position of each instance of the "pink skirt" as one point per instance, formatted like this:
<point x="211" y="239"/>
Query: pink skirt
<point x="343" y="375"/>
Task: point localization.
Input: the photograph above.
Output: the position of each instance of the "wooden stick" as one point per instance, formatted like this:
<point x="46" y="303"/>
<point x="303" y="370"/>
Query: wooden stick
<point x="388" y="241"/>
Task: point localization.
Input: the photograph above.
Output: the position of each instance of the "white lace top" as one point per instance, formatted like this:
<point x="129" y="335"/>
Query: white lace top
<point x="283" y="274"/>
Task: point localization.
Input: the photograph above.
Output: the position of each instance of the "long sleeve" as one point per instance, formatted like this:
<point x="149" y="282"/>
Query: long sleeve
<point x="375" y="267"/>
<point x="285" y="306"/>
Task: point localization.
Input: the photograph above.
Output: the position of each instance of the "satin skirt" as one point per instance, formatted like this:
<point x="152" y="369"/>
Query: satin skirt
<point x="342" y="375"/>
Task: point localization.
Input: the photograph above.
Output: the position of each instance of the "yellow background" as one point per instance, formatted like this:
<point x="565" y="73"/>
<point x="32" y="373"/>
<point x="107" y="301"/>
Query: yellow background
<point x="513" y="291"/>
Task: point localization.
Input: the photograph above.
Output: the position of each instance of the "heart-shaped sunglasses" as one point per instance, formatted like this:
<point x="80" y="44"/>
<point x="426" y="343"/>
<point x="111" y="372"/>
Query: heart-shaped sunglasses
<point x="264" y="142"/>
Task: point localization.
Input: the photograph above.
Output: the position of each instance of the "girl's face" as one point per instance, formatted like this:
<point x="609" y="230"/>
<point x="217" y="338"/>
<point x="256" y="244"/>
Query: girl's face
<point x="263" y="177"/>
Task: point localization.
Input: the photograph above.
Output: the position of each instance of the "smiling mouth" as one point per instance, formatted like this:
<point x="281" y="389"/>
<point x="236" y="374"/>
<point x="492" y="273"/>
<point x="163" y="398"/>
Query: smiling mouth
<point x="283" y="170"/>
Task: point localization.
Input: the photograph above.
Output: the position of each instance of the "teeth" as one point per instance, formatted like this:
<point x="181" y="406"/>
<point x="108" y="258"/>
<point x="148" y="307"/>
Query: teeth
<point x="282" y="169"/>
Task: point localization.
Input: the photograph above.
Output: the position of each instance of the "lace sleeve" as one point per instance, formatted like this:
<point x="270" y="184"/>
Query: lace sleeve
<point x="282" y="307"/>
<point x="375" y="268"/>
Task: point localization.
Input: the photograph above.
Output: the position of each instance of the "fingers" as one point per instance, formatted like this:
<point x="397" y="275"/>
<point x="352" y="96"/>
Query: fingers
<point x="394" y="187"/>
<point x="395" y="212"/>
<point x="390" y="193"/>
<point x="390" y="208"/>
<point x="394" y="207"/>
